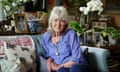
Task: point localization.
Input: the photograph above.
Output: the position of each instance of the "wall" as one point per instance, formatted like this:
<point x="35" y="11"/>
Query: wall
<point x="116" y="20"/>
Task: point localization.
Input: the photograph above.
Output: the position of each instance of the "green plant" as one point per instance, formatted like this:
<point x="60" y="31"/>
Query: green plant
<point x="77" y="27"/>
<point x="111" y="31"/>
<point x="12" y="6"/>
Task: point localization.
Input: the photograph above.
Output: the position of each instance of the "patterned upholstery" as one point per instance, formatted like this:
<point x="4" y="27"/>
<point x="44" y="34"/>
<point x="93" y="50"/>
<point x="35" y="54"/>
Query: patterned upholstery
<point x="20" y="50"/>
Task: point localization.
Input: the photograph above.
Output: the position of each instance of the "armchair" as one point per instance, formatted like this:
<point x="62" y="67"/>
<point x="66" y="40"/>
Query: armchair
<point x="97" y="57"/>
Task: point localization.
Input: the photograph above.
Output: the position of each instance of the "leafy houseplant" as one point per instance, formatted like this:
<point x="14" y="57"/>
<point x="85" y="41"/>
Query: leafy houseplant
<point x="12" y="6"/>
<point x="111" y="31"/>
<point x="112" y="34"/>
<point x="81" y="31"/>
<point x="77" y="27"/>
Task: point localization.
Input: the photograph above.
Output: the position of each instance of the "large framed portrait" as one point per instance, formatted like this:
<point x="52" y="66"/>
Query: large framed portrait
<point x="20" y="23"/>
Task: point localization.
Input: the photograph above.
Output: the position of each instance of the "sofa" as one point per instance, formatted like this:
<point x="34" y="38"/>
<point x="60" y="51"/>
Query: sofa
<point x="25" y="53"/>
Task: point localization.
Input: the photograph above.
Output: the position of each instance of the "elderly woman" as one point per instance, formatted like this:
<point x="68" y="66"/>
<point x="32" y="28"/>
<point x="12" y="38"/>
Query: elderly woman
<point x="62" y="45"/>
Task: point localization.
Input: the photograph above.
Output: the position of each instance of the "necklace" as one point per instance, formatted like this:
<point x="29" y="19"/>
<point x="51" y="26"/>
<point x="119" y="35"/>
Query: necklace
<point x="56" y="52"/>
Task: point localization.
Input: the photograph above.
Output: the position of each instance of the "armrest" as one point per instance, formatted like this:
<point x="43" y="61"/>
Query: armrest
<point x="98" y="58"/>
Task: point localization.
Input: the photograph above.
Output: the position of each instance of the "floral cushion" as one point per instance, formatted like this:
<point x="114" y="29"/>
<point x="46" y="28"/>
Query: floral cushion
<point x="11" y="66"/>
<point x="2" y="48"/>
<point x="22" y="49"/>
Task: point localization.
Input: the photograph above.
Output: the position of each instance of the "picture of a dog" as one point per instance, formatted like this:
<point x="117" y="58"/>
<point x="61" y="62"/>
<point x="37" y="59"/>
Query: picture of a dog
<point x="22" y="60"/>
<point x="24" y="49"/>
<point x="10" y="46"/>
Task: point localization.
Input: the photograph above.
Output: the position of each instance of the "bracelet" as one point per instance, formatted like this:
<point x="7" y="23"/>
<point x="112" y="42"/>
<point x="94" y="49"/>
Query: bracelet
<point x="62" y="65"/>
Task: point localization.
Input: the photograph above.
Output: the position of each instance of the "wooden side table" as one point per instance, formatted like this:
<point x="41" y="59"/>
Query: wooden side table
<point x="114" y="60"/>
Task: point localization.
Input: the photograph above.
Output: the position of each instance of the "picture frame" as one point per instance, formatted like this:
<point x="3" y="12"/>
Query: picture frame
<point x="111" y="7"/>
<point x="99" y="24"/>
<point x="96" y="37"/>
<point x="90" y="38"/>
<point x="20" y="23"/>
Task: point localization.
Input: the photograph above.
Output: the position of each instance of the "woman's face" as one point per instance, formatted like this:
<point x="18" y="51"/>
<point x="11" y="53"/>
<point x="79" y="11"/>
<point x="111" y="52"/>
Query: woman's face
<point x="58" y="25"/>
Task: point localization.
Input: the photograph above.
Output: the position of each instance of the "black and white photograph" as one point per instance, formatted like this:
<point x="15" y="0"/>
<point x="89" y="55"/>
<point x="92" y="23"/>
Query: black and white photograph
<point x="20" y="23"/>
<point x="99" y="24"/>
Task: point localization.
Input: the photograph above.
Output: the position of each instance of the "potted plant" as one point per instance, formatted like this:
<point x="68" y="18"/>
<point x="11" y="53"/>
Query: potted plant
<point x="12" y="6"/>
<point x="77" y="27"/>
<point x="112" y="33"/>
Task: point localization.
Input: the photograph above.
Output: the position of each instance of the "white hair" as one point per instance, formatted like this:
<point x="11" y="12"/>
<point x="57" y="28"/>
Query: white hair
<point x="58" y="12"/>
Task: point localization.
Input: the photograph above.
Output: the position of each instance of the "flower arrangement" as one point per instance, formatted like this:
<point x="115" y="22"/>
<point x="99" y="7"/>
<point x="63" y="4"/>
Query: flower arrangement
<point x="92" y="5"/>
<point x="12" y="6"/>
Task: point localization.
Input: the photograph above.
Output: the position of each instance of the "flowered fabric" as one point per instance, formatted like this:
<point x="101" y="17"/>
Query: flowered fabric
<point x="2" y="47"/>
<point x="20" y="52"/>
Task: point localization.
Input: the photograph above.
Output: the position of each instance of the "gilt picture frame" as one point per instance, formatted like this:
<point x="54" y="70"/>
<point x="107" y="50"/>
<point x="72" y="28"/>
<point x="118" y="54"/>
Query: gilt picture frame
<point x="20" y="23"/>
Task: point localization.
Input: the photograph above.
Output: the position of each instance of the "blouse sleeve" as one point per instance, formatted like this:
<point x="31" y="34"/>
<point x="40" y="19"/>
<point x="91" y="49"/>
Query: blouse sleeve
<point x="44" y="46"/>
<point x="75" y="48"/>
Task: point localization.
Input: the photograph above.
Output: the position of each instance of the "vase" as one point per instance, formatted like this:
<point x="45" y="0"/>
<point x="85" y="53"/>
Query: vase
<point x="111" y="40"/>
<point x="82" y="19"/>
<point x="34" y="26"/>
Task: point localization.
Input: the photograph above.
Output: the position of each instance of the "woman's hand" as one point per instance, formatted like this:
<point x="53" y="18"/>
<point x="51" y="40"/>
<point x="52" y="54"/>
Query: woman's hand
<point x="51" y="66"/>
<point x="68" y="64"/>
<point x="48" y="64"/>
<point x="55" y="66"/>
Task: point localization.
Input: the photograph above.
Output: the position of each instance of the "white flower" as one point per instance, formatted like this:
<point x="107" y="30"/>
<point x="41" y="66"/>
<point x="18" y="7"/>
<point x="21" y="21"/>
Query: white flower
<point x="5" y="26"/>
<point x="14" y="4"/>
<point x="20" y="0"/>
<point x="7" y="7"/>
<point x="85" y="10"/>
<point x="82" y="8"/>
<point x="25" y="1"/>
<point x="92" y="5"/>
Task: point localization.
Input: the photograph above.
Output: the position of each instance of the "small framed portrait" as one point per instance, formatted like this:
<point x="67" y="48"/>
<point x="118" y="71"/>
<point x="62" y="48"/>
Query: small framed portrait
<point x="96" y="37"/>
<point x="99" y="24"/>
<point x="20" y="23"/>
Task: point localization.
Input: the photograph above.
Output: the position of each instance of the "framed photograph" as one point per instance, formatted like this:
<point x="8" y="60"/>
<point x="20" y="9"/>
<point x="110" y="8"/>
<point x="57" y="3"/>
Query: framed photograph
<point x="20" y="23"/>
<point x="90" y="38"/>
<point x="96" y="37"/>
<point x="99" y="24"/>
<point x="111" y="7"/>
